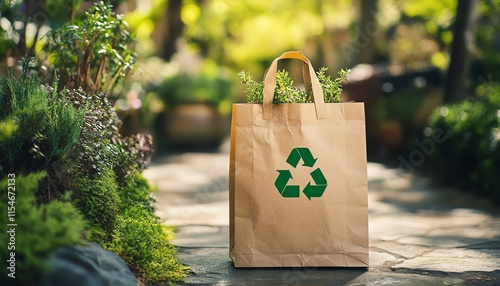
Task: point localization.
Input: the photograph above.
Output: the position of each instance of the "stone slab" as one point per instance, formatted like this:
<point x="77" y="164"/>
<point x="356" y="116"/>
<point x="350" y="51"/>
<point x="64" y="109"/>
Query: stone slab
<point x="454" y="260"/>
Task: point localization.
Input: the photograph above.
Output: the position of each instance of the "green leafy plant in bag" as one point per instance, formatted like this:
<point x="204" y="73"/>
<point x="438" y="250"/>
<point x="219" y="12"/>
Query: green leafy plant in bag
<point x="286" y="92"/>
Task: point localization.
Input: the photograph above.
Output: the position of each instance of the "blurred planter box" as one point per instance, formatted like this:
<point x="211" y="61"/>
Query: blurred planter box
<point x="194" y="126"/>
<point x="193" y="115"/>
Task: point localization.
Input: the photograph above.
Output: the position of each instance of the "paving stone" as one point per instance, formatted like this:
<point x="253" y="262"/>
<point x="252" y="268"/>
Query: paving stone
<point x="215" y="213"/>
<point x="404" y="251"/>
<point x="381" y="259"/>
<point x="202" y="236"/>
<point x="192" y="188"/>
<point x="455" y="260"/>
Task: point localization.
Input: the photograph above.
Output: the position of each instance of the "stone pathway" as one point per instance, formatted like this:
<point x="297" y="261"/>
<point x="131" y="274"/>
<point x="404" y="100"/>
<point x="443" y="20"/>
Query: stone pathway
<point x="418" y="235"/>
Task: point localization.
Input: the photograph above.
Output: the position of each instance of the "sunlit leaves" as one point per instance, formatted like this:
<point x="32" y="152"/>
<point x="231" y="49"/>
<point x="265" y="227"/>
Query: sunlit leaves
<point x="95" y="53"/>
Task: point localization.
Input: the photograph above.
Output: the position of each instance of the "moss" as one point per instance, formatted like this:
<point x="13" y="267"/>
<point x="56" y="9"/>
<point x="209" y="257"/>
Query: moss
<point x="143" y="243"/>
<point x="122" y="220"/>
<point x="99" y="201"/>
<point x="137" y="191"/>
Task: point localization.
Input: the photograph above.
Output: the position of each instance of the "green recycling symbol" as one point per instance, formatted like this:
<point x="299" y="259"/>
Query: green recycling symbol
<point x="293" y="191"/>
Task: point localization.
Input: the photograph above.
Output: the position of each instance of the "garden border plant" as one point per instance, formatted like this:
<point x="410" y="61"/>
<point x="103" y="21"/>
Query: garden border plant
<point x="71" y="134"/>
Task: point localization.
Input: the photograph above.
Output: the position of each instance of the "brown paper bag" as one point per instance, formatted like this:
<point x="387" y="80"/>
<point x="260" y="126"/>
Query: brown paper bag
<point x="298" y="184"/>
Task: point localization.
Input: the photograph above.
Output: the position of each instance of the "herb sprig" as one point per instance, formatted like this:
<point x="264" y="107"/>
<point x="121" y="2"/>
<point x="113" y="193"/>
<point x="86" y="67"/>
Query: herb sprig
<point x="285" y="92"/>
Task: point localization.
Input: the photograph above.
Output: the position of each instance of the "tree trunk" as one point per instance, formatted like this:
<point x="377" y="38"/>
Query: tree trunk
<point x="173" y="30"/>
<point x="366" y="32"/>
<point x="461" y="48"/>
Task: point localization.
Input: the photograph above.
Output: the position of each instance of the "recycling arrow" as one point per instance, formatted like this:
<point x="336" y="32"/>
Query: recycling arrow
<point x="293" y="191"/>
<point x="304" y="153"/>
<point x="318" y="189"/>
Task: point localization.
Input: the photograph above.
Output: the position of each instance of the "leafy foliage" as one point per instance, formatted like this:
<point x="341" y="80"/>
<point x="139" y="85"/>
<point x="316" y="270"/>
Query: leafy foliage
<point x="16" y="16"/>
<point x="470" y="155"/>
<point x="285" y="92"/>
<point x="487" y="32"/>
<point x="437" y="13"/>
<point x="40" y="229"/>
<point x="95" y="53"/>
<point x="254" y="90"/>
<point x="332" y="88"/>
<point x="101" y="146"/>
<point x="108" y="183"/>
<point x="123" y="221"/>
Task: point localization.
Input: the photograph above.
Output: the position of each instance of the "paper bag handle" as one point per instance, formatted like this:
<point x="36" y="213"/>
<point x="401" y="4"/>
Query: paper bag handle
<point x="309" y="77"/>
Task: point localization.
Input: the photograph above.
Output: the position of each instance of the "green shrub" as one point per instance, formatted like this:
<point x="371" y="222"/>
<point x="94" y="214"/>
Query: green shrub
<point x="100" y="146"/>
<point x="48" y="125"/>
<point x="95" y="151"/>
<point x="40" y="229"/>
<point x="143" y="243"/>
<point x="93" y="54"/>
<point x="470" y="155"/>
